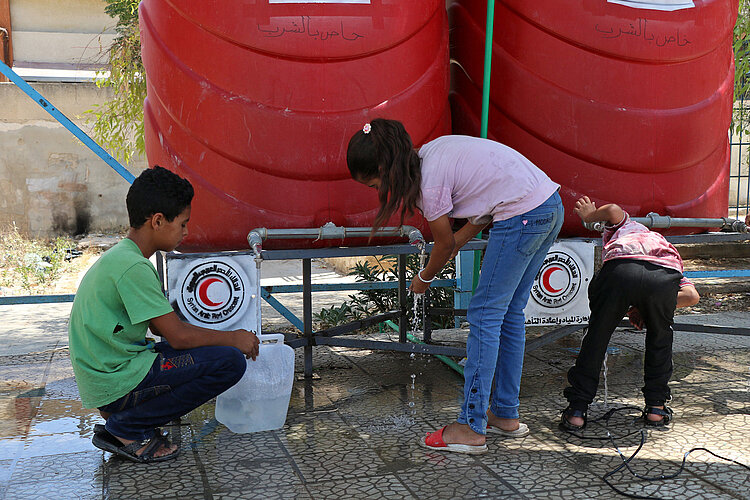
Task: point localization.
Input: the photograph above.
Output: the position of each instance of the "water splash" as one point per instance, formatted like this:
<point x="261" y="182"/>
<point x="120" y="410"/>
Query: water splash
<point x="412" y="395"/>
<point x="422" y="254"/>
<point x="417" y="318"/>
<point x="418" y="305"/>
<point x="390" y="423"/>
<point x="417" y="324"/>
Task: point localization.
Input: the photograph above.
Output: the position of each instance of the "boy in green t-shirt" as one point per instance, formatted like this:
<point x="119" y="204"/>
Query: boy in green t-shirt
<point x="138" y="385"/>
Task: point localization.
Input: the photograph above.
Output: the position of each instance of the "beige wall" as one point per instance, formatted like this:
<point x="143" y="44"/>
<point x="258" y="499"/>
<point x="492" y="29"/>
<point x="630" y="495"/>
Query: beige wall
<point x="68" y="32"/>
<point x="50" y="183"/>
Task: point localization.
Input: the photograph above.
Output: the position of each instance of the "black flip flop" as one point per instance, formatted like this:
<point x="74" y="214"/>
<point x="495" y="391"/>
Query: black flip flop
<point x="107" y="442"/>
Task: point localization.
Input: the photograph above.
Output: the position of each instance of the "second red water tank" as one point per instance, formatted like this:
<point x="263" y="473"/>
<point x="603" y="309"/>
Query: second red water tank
<point x="254" y="102"/>
<point x="624" y="104"/>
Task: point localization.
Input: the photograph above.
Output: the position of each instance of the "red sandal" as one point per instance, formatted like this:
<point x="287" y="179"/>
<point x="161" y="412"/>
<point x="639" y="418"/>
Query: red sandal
<point x="434" y="441"/>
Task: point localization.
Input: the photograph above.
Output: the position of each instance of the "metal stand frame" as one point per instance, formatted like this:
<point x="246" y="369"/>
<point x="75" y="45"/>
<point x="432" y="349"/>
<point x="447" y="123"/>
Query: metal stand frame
<point x="341" y="335"/>
<point x="330" y="336"/>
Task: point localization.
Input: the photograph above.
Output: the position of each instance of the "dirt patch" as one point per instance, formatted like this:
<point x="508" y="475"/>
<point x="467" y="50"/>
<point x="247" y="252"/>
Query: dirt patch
<point x="67" y="273"/>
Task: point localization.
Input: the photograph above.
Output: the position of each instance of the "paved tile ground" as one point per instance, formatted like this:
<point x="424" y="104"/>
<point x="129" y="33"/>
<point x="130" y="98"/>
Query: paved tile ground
<point x="354" y="431"/>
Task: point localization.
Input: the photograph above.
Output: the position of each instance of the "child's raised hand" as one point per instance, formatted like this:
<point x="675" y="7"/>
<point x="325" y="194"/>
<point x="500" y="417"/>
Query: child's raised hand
<point x="584" y="207"/>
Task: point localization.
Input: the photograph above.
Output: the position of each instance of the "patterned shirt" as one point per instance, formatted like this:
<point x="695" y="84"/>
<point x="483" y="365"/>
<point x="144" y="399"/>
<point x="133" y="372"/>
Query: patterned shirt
<point x="629" y="239"/>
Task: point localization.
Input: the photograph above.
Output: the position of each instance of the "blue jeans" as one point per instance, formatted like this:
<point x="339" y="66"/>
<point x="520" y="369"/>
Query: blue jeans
<point x="178" y="382"/>
<point x="497" y="337"/>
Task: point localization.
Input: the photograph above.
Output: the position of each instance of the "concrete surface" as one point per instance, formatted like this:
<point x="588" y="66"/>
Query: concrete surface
<point x="354" y="431"/>
<point x="50" y="183"/>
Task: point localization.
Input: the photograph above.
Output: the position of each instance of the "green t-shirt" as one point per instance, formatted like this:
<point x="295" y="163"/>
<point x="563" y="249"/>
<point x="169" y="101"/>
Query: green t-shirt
<point x="117" y="298"/>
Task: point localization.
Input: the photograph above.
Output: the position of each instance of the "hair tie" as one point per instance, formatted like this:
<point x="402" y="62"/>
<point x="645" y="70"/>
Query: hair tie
<point x="366" y="129"/>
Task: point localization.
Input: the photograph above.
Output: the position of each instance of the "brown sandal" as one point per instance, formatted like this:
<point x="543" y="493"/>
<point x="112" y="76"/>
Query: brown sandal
<point x="666" y="414"/>
<point x="565" y="423"/>
<point x="107" y="442"/>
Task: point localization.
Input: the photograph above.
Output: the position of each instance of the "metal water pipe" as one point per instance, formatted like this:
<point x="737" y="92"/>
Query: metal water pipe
<point x="331" y="231"/>
<point x="653" y="220"/>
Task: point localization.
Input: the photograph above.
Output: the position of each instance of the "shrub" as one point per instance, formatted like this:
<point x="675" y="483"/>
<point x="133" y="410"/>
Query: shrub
<point x="371" y="302"/>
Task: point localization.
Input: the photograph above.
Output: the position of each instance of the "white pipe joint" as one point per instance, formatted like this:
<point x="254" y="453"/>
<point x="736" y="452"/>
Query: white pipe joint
<point x="658" y="221"/>
<point x="330" y="231"/>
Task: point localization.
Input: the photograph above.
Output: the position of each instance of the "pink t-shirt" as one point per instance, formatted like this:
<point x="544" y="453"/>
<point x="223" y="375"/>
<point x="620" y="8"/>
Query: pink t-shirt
<point x="479" y="180"/>
<point x="629" y="239"/>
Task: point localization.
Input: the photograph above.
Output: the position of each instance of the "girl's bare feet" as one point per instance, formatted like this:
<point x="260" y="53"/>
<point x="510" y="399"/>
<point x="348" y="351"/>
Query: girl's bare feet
<point x="506" y="424"/>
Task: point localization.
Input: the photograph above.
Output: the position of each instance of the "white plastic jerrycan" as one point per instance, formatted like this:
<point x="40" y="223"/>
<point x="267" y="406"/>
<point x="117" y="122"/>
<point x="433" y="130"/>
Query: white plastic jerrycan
<point x="260" y="400"/>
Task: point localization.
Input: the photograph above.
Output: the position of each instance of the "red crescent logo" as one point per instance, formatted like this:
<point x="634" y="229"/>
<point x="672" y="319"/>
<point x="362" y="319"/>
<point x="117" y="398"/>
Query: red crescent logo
<point x="545" y="278"/>
<point x="203" y="289"/>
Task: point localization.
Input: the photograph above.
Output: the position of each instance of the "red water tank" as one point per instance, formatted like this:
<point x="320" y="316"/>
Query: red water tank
<point x="624" y="104"/>
<point x="254" y="101"/>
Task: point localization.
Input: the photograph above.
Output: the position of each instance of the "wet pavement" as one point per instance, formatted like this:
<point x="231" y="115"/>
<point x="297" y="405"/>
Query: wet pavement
<point x="353" y="431"/>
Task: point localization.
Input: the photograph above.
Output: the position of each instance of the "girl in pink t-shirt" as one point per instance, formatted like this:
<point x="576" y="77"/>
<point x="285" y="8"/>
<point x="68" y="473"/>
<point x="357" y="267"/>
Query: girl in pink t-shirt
<point x="484" y="182"/>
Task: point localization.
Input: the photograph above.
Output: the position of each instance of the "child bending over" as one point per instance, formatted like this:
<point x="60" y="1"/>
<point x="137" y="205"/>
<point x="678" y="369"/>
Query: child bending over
<point x="138" y="385"/>
<point x="484" y="182"/>
<point x="641" y="276"/>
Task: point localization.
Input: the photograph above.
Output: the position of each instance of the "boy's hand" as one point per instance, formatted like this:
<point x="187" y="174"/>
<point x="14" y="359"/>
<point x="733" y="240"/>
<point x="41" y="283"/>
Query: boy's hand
<point x="584" y="208"/>
<point x="248" y="343"/>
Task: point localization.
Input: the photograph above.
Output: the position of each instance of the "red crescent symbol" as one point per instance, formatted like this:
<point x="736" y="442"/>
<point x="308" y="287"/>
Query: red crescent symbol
<point x="203" y="289"/>
<point x="545" y="278"/>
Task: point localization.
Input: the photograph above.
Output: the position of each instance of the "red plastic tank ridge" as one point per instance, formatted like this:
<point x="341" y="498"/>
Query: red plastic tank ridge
<point x="630" y="105"/>
<point x="254" y="102"/>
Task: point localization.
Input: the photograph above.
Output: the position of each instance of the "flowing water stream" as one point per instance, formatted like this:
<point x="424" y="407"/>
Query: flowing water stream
<point x="417" y="324"/>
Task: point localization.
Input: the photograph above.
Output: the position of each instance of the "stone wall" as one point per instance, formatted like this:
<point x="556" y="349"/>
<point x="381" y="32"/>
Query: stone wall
<point x="50" y="183"/>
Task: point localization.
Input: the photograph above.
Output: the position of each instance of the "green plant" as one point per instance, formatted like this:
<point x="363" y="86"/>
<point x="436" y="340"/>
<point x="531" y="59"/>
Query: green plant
<point x="31" y="264"/>
<point x="118" y="123"/>
<point x="741" y="48"/>
<point x="334" y="315"/>
<point x="371" y="302"/>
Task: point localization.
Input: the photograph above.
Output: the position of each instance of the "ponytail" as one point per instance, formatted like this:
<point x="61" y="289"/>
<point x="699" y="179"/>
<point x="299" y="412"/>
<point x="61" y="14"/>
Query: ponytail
<point x="386" y="151"/>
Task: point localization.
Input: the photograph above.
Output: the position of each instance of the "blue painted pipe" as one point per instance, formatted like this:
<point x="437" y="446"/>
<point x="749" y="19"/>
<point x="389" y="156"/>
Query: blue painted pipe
<point x="35" y="299"/>
<point x="72" y="127"/>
